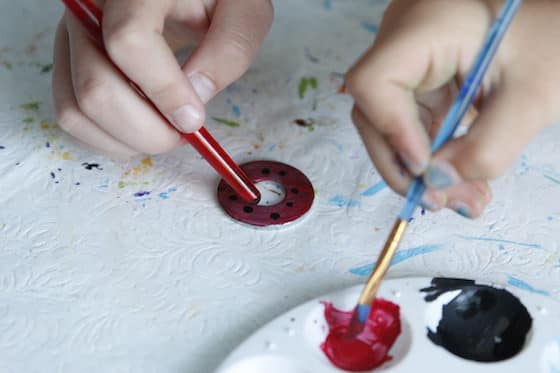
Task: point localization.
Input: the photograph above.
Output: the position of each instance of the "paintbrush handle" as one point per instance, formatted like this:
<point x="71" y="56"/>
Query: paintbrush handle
<point x="382" y="265"/>
<point x="90" y="17"/>
<point x="465" y="97"/>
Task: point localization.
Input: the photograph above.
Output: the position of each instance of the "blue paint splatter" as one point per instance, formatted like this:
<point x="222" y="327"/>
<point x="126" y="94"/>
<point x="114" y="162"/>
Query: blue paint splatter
<point x="340" y="201"/>
<point x="400" y="256"/>
<point x="525" y="286"/>
<point x="327" y="4"/>
<point x="502" y="248"/>
<point x="369" y="26"/>
<point x="234" y="108"/>
<point x="165" y="195"/>
<point x="141" y="193"/>
<point x="373" y="190"/>
<point x="490" y="239"/>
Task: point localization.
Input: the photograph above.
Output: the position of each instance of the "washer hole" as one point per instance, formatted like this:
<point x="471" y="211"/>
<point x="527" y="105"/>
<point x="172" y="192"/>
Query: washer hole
<point x="233" y="197"/>
<point x="294" y="190"/>
<point x="248" y="209"/>
<point x="272" y="193"/>
<point x="290" y="204"/>
<point x="275" y="216"/>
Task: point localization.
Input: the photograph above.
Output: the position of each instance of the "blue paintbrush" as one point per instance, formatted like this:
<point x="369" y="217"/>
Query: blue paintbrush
<point x="452" y="120"/>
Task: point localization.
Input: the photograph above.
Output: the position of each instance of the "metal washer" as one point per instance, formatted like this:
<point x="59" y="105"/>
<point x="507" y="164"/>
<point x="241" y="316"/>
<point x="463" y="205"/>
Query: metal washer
<point x="299" y="195"/>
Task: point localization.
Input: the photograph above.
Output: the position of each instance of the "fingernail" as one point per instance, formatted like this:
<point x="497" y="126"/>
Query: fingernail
<point x="203" y="86"/>
<point x="461" y="209"/>
<point x="187" y="118"/>
<point x="441" y="175"/>
<point x="414" y="167"/>
<point x="433" y="200"/>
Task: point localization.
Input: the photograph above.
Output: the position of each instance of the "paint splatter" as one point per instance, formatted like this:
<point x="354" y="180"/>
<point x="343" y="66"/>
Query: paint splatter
<point x="144" y="167"/>
<point x="475" y="322"/>
<point x="31" y="106"/>
<point x="67" y="156"/>
<point x="305" y="84"/>
<point x="490" y="239"/>
<point x="400" y="256"/>
<point x="142" y="193"/>
<point x="310" y="56"/>
<point x="236" y="111"/>
<point x="227" y="122"/>
<point x="340" y="201"/>
<point x="305" y="123"/>
<point x="46" y="68"/>
<point x="91" y="166"/>
<point x="28" y="120"/>
<point x="525" y="286"/>
<point x="369" y="26"/>
<point x="374" y="189"/>
<point x="370" y="347"/>
<point x="2" y="147"/>
<point x="327" y="4"/>
<point x="165" y="195"/>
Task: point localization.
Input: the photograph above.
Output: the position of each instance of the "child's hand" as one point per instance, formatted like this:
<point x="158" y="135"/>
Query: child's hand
<point x="96" y="105"/>
<point x="405" y="83"/>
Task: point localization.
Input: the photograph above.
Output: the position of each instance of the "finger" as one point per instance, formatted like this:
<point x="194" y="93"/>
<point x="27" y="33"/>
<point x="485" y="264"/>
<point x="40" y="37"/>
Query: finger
<point x="68" y="114"/>
<point x="505" y="125"/>
<point x="237" y="30"/>
<point x="469" y="199"/>
<point x="388" y="165"/>
<point x="132" y="32"/>
<point x="383" y="83"/>
<point x="105" y="97"/>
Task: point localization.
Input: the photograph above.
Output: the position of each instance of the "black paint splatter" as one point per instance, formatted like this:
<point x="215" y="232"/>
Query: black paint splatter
<point x="91" y="166"/>
<point x="305" y="123"/>
<point x="141" y="194"/>
<point x="481" y="323"/>
<point x="2" y="147"/>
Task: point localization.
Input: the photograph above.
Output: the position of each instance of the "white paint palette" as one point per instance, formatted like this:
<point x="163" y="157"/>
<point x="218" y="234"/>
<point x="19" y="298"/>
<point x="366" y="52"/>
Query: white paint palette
<point x="291" y="343"/>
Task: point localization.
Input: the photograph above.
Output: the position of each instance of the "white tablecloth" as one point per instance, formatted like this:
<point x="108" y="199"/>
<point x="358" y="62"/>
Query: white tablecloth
<point x="98" y="275"/>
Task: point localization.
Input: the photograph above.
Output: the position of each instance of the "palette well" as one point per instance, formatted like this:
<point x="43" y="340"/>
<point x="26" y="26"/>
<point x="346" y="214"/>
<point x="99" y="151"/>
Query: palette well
<point x="291" y="343"/>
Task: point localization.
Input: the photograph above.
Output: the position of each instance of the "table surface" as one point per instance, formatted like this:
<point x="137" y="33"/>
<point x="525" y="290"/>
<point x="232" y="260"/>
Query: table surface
<point x="134" y="267"/>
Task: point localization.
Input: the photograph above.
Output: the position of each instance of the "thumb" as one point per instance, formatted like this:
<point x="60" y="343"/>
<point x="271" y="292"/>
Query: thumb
<point x="237" y="30"/>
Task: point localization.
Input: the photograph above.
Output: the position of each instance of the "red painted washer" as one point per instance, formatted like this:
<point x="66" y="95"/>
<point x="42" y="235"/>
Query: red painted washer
<point x="299" y="195"/>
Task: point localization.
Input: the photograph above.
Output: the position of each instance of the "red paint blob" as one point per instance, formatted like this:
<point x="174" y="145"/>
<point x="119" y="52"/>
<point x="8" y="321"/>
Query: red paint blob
<point x="370" y="348"/>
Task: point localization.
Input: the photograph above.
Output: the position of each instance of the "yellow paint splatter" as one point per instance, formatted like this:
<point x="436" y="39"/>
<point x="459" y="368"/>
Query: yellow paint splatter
<point x="145" y="165"/>
<point x="45" y="125"/>
<point x="67" y="156"/>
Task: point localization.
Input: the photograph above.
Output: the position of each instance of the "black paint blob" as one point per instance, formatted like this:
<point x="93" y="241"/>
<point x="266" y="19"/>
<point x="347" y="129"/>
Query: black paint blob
<point x="91" y="166"/>
<point x="481" y="323"/>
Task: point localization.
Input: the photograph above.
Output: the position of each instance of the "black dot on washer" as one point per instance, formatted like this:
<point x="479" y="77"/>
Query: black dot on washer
<point x="265" y="171"/>
<point x="294" y="190"/>
<point x="248" y="209"/>
<point x="282" y="173"/>
<point x="275" y="216"/>
<point x="233" y="197"/>
<point x="290" y="204"/>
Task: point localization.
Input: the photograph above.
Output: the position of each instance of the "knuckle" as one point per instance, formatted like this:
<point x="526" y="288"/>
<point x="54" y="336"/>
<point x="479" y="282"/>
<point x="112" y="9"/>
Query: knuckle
<point x="161" y="146"/>
<point x="487" y="163"/>
<point x="68" y="119"/>
<point x="92" y="93"/>
<point x="241" y="47"/>
<point x="354" y="81"/>
<point x="162" y="92"/>
<point x="122" y="39"/>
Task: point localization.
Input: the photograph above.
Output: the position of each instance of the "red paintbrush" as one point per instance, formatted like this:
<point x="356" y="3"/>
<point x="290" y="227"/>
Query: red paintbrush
<point x="90" y="16"/>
